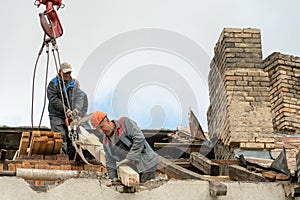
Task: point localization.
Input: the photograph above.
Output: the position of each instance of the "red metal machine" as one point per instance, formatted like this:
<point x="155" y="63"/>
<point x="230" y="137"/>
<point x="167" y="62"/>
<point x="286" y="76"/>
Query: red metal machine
<point x="51" y="25"/>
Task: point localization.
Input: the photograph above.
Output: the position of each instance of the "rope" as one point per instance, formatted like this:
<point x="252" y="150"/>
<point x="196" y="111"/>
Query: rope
<point x="59" y="84"/>
<point x="61" y="76"/>
<point x="34" y="73"/>
<point x="57" y="63"/>
<point x="46" y="83"/>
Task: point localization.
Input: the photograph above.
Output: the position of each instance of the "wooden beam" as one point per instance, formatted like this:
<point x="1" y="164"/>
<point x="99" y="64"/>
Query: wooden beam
<point x="175" y="171"/>
<point x="177" y="145"/>
<point x="227" y="162"/>
<point x="204" y="164"/>
<point x="128" y="176"/>
<point x="269" y="174"/>
<point x="238" y="173"/>
<point x="183" y="146"/>
<point x="24" y="142"/>
<point x="217" y="189"/>
<point x="195" y="127"/>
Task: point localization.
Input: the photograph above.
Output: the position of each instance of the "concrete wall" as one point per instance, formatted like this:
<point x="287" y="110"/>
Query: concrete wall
<point x="13" y="188"/>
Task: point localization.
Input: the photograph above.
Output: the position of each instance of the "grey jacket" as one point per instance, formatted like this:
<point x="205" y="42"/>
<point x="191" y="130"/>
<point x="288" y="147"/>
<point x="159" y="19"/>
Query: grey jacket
<point x="128" y="141"/>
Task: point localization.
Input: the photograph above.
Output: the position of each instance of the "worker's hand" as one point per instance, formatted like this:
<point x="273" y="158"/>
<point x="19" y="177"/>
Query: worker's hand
<point x="124" y="162"/>
<point x="75" y="113"/>
<point x="115" y="181"/>
<point x="69" y="113"/>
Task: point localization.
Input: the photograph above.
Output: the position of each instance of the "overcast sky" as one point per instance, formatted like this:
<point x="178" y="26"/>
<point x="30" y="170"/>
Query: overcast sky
<point x="154" y="80"/>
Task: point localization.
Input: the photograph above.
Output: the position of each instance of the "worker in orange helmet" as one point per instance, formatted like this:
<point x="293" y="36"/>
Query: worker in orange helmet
<point x="125" y="144"/>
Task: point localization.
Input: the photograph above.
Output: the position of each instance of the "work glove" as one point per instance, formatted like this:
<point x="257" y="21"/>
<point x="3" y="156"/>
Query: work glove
<point x="75" y="113"/>
<point x="115" y="179"/>
<point x="69" y="113"/>
<point x="123" y="162"/>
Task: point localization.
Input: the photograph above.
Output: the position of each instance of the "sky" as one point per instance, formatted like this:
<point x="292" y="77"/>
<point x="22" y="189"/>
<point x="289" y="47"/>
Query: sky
<point x="147" y="60"/>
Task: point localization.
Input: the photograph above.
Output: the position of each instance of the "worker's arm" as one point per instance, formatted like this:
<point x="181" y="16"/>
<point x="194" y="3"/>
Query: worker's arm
<point x="137" y="137"/>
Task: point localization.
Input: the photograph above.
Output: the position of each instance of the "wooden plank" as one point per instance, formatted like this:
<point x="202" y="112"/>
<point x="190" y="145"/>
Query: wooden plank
<point x="23" y="146"/>
<point x="35" y="145"/>
<point x="195" y="127"/>
<point x="227" y="162"/>
<point x="47" y="133"/>
<point x="24" y="142"/>
<point x="128" y="176"/>
<point x="217" y="189"/>
<point x="239" y="173"/>
<point x="175" y="171"/>
<point x="56" y="135"/>
<point x="187" y="147"/>
<point x="57" y="146"/>
<point x="266" y="163"/>
<point x="43" y="144"/>
<point x="269" y="174"/>
<point x="49" y="147"/>
<point x="204" y="164"/>
<point x="282" y="177"/>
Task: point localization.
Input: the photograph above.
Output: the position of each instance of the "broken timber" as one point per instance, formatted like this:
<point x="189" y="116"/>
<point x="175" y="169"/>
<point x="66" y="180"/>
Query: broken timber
<point x="174" y="171"/>
<point x="239" y="173"/>
<point x="217" y="189"/>
<point x="204" y="164"/>
<point x="195" y="127"/>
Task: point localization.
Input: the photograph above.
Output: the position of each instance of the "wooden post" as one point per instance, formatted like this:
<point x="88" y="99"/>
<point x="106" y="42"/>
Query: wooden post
<point x="128" y="176"/>
<point x="217" y="189"/>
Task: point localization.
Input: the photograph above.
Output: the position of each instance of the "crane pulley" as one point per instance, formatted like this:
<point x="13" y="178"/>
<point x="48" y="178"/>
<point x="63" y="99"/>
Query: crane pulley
<point x="49" y="18"/>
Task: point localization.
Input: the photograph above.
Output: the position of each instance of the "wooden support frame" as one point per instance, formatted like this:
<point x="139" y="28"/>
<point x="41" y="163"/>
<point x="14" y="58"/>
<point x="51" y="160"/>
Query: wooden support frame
<point x="204" y="164"/>
<point x="175" y="171"/>
<point x="238" y="173"/>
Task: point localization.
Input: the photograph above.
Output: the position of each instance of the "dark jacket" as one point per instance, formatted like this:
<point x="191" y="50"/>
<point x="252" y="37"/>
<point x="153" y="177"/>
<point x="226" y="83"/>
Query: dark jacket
<point x="128" y="141"/>
<point x="75" y="97"/>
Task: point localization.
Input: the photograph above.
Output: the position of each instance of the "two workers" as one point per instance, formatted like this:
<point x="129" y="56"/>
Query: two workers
<point x="123" y="141"/>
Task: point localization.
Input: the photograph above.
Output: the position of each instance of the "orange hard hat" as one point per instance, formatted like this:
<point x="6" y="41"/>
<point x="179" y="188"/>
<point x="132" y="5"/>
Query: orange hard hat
<point x="97" y="117"/>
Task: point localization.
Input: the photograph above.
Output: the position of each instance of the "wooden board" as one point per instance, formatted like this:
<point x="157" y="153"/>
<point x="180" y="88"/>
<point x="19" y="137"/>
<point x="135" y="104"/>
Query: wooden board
<point x="217" y="189"/>
<point x="204" y="164"/>
<point x="239" y="173"/>
<point x="24" y="142"/>
<point x="175" y="171"/>
<point x="57" y="146"/>
<point x="128" y="176"/>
